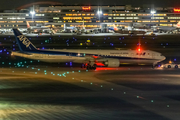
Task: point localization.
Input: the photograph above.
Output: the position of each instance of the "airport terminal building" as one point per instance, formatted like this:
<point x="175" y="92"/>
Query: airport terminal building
<point x="61" y="16"/>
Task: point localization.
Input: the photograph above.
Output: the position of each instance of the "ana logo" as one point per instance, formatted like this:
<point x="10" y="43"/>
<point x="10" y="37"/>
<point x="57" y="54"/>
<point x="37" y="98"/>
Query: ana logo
<point x="24" y="40"/>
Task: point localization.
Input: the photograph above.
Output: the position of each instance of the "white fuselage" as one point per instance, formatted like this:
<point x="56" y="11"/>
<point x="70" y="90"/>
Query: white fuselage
<point x="82" y="56"/>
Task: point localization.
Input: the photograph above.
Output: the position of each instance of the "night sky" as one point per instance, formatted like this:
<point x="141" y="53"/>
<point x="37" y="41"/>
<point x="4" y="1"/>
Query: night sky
<point x="13" y="4"/>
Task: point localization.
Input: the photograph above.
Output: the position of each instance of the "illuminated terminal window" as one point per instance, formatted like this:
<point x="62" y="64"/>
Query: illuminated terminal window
<point x="145" y="21"/>
<point x="122" y="14"/>
<point x="83" y="21"/>
<point x="39" y="14"/>
<point x="41" y="21"/>
<point x="11" y="21"/>
<point x="72" y="18"/>
<point x="92" y="14"/>
<point x="105" y="14"/>
<point x="136" y="17"/>
<point x="157" y="17"/>
<point x="74" y="14"/>
<point x="27" y="14"/>
<point x="160" y="15"/>
<point x="144" y="14"/>
<point x="130" y="14"/>
<point x="109" y="14"/>
<point x="115" y="14"/>
<point x="129" y="17"/>
<point x="170" y="25"/>
<point x="163" y="21"/>
<point x="55" y="17"/>
<point x="88" y="17"/>
<point x="139" y="21"/>
<point x="83" y="14"/>
<point x="173" y="17"/>
<point x="121" y="21"/>
<point x="19" y="21"/>
<point x="155" y="21"/>
<point x="117" y="17"/>
<point x="79" y="14"/>
<point x="68" y="14"/>
<point x="3" y="21"/>
<point x="128" y="21"/>
<point x="88" y="14"/>
<point x="173" y="21"/>
<point x="13" y="18"/>
<point x="109" y="17"/>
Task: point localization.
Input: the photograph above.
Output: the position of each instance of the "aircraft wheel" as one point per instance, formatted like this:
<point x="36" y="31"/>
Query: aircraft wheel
<point x="169" y="66"/>
<point x="176" y="66"/>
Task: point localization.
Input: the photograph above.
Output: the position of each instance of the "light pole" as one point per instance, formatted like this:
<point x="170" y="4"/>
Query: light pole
<point x="99" y="12"/>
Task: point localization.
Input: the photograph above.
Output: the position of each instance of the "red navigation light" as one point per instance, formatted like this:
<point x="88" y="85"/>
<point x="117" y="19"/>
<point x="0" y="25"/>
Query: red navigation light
<point x="176" y="9"/>
<point x="86" y="8"/>
<point x="139" y="49"/>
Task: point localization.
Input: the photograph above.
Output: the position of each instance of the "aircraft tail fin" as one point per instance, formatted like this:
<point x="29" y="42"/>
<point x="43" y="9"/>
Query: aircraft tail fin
<point x="178" y="24"/>
<point x="28" y="25"/>
<point x="23" y="42"/>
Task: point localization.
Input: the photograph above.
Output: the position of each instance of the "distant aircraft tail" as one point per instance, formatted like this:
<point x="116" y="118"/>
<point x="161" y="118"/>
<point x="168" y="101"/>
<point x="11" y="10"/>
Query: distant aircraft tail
<point x="23" y="42"/>
<point x="178" y="24"/>
<point x="28" y="25"/>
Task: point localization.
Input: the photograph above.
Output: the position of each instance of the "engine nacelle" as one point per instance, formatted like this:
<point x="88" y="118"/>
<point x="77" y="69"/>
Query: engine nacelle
<point x="112" y="63"/>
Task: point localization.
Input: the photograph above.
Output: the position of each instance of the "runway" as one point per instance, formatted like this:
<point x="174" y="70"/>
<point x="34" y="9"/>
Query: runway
<point x="35" y="90"/>
<point x="45" y="92"/>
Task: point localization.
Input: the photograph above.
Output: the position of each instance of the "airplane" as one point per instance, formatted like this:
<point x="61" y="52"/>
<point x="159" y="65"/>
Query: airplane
<point x="38" y="29"/>
<point x="167" y="28"/>
<point x="90" y="58"/>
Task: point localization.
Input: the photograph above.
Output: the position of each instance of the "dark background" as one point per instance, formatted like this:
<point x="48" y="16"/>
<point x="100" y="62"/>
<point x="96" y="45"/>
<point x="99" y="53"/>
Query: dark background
<point x="13" y="4"/>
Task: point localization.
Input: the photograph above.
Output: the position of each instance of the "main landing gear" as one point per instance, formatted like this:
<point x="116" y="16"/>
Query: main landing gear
<point x="89" y="66"/>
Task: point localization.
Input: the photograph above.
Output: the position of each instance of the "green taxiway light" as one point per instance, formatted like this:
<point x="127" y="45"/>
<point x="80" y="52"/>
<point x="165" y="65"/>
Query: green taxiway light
<point x="73" y="78"/>
<point x="2" y="62"/>
<point x="38" y="69"/>
<point x="72" y="71"/>
<point x="32" y="67"/>
<point x="101" y="85"/>
<point x="112" y="89"/>
<point x="79" y="71"/>
<point x="51" y="72"/>
<point x="86" y="70"/>
<point x="81" y="80"/>
<point x="31" y="61"/>
<point x="45" y="73"/>
<point x="44" y="70"/>
<point x="152" y="101"/>
<point x="67" y="72"/>
<point x="91" y="83"/>
<point x="35" y="72"/>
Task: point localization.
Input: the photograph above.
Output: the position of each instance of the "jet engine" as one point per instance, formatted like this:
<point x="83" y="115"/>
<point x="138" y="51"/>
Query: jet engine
<point x="112" y="63"/>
